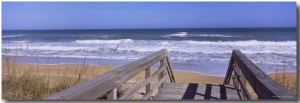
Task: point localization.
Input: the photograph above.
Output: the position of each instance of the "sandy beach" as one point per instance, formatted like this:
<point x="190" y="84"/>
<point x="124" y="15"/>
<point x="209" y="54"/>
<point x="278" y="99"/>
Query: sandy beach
<point x="56" y="72"/>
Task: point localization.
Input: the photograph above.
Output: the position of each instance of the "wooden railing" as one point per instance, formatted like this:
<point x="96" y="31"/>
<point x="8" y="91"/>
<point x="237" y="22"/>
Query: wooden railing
<point x="241" y="69"/>
<point x="108" y="83"/>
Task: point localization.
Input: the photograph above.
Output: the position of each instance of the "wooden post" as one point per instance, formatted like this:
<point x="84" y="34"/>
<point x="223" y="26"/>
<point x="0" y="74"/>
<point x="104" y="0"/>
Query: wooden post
<point x="147" y="71"/>
<point x="161" y="75"/>
<point x="243" y="80"/>
<point x="229" y="72"/>
<point x="112" y="95"/>
<point x="238" y="75"/>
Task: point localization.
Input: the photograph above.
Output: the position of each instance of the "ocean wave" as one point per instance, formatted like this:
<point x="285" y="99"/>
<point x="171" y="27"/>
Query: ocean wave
<point x="242" y="43"/>
<point x="179" y="34"/>
<point x="181" y="50"/>
<point x="207" y="51"/>
<point x="20" y="41"/>
<point x="212" y="35"/>
<point x="9" y="36"/>
<point x="208" y="47"/>
<point x="185" y="34"/>
<point x="187" y="46"/>
<point x="50" y="47"/>
<point x="105" y="41"/>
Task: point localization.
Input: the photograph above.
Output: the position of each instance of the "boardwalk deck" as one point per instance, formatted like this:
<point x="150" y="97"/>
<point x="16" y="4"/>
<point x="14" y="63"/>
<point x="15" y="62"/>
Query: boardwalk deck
<point x="173" y="91"/>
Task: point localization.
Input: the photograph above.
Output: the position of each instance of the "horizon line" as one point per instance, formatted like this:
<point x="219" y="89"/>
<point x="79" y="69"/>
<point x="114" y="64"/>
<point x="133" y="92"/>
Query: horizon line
<point x="149" y="28"/>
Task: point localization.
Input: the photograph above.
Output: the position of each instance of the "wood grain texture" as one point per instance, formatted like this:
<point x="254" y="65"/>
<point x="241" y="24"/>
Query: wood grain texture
<point x="128" y="94"/>
<point x="102" y="84"/>
<point x="262" y="84"/>
<point x="196" y="91"/>
<point x="155" y="87"/>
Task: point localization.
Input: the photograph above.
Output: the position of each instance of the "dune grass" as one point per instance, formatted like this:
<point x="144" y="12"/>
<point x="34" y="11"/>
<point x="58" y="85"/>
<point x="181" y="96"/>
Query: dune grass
<point x="287" y="80"/>
<point x="34" y="82"/>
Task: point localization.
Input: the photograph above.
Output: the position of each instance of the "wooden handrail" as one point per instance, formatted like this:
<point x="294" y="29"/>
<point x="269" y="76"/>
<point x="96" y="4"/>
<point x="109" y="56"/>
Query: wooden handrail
<point x="262" y="84"/>
<point x="110" y="81"/>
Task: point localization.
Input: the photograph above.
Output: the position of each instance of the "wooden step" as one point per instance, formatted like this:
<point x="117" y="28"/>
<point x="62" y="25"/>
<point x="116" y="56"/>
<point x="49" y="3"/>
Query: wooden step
<point x="173" y="91"/>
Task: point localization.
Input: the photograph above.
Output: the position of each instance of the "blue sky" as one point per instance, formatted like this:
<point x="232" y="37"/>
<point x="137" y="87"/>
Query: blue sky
<point x="122" y="15"/>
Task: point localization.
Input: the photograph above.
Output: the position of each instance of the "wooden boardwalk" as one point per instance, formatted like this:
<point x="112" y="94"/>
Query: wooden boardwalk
<point x="239" y="72"/>
<point x="197" y="91"/>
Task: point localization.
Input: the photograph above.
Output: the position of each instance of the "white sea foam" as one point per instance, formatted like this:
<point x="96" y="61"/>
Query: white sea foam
<point x="185" y="34"/>
<point x="187" y="51"/>
<point x="9" y="36"/>
<point x="204" y="47"/>
<point x="105" y="41"/>
<point x="212" y="35"/>
<point x="20" y="41"/>
<point x="180" y="34"/>
<point x="243" y="43"/>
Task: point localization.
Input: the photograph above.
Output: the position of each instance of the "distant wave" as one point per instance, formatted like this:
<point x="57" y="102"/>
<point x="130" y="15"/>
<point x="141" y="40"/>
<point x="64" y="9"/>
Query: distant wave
<point x="20" y="41"/>
<point x="210" y="47"/>
<point x="212" y="35"/>
<point x="188" y="50"/>
<point x="180" y="34"/>
<point x="187" y="46"/>
<point x="185" y="34"/>
<point x="105" y="41"/>
<point x="9" y="36"/>
<point x="243" y="43"/>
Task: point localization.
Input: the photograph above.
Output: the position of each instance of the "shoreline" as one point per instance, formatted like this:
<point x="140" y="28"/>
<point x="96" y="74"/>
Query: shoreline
<point x="218" y="69"/>
<point x="182" y="75"/>
<point x="111" y="64"/>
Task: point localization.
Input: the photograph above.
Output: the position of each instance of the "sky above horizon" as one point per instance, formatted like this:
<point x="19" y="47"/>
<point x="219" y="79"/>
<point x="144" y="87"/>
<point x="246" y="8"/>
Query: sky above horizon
<point x="123" y="15"/>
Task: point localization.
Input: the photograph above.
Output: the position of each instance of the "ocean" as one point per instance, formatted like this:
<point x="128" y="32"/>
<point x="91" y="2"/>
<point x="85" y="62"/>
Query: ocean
<point x="200" y="50"/>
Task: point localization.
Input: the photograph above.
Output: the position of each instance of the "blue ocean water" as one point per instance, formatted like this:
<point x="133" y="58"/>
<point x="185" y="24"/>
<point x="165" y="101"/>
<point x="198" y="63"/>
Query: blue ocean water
<point x="201" y="50"/>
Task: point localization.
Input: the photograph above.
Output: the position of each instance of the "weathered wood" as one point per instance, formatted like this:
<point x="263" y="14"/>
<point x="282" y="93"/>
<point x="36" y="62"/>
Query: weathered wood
<point x="102" y="84"/>
<point x="229" y="71"/>
<point x="148" y="86"/>
<point x="170" y="72"/>
<point x="112" y="95"/>
<point x="185" y="85"/>
<point x="140" y="85"/>
<point x="237" y="77"/>
<point x="163" y="62"/>
<point x="235" y="83"/>
<point x="245" y="93"/>
<point x="262" y="84"/>
<point x="195" y="91"/>
<point x="195" y="97"/>
<point x="156" y="86"/>
<point x="200" y="89"/>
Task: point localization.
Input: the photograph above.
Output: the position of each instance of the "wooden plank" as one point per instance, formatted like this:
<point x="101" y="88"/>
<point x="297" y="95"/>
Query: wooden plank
<point x="196" y="91"/>
<point x="156" y="86"/>
<point x="200" y="85"/>
<point x="162" y="74"/>
<point x="112" y="95"/>
<point x="148" y="86"/>
<point x="245" y="92"/>
<point x="215" y="91"/>
<point x="170" y="72"/>
<point x="262" y="84"/>
<point x="140" y="85"/>
<point x="235" y="85"/>
<point x="196" y="97"/>
<point x="237" y="77"/>
<point x="176" y="97"/>
<point x="102" y="84"/>
<point x="229" y="71"/>
<point x="168" y="97"/>
<point x="242" y="86"/>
